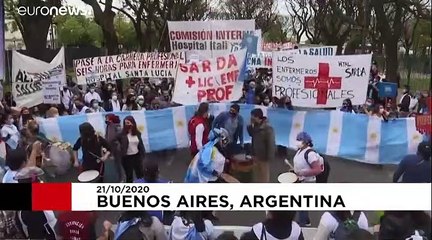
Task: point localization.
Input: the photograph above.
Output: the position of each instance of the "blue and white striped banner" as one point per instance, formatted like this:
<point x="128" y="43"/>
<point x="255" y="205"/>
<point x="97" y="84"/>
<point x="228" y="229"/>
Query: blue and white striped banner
<point x="352" y="136"/>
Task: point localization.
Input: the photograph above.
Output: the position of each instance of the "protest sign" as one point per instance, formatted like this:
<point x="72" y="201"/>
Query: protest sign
<point x="318" y="51"/>
<point x="321" y="81"/>
<point x="210" y="38"/>
<point x="29" y="76"/>
<point x="129" y="65"/>
<point x="51" y="86"/>
<point x="424" y="123"/>
<point x="387" y="89"/>
<point x="217" y="79"/>
<point x="272" y="46"/>
<point x="261" y="60"/>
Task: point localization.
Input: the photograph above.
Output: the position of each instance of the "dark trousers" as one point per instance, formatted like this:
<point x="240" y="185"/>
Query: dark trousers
<point x="131" y="164"/>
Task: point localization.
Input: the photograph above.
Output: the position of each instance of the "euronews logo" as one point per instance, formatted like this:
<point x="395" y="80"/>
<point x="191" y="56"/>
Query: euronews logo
<point x="48" y="11"/>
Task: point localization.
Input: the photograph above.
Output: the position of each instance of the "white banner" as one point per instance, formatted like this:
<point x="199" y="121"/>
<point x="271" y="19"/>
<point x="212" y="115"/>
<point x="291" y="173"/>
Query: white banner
<point x="321" y="81"/>
<point x="208" y="38"/>
<point x="29" y="75"/>
<point x="262" y="60"/>
<point x="315" y="51"/>
<point x="129" y="65"/>
<point x="250" y="197"/>
<point x="216" y="79"/>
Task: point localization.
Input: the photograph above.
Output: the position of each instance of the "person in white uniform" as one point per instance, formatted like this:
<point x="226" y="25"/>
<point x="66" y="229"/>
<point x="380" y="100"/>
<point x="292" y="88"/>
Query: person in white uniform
<point x="330" y="221"/>
<point x="92" y="94"/>
<point x="307" y="165"/>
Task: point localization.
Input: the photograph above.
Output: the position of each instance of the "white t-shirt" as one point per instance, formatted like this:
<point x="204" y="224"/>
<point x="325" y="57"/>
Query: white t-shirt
<point x="329" y="224"/>
<point x="12" y="130"/>
<point x="115" y="106"/>
<point x="301" y="164"/>
<point x="9" y="177"/>
<point x="295" y="232"/>
<point x="199" y="134"/>
<point x="133" y="145"/>
<point x="179" y="230"/>
<point x="90" y="96"/>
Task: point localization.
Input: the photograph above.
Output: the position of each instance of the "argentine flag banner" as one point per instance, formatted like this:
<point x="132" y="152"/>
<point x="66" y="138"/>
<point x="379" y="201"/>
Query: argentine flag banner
<point x="335" y="133"/>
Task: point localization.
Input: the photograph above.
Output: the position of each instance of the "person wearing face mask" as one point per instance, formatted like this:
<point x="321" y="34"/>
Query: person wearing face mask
<point x="95" y="106"/>
<point x="380" y="112"/>
<point x="250" y="94"/>
<point x="92" y="94"/>
<point x="10" y="133"/>
<point x="405" y="101"/>
<point x="114" y="104"/>
<point x="368" y="106"/>
<point x="233" y="122"/>
<point x="79" y="107"/>
<point x="307" y="165"/>
<point x="140" y="103"/>
<point x="347" y="106"/>
<point x="132" y="149"/>
<point x="199" y="129"/>
<point x="263" y="149"/>
<point x="107" y="91"/>
<point x="130" y="104"/>
<point x="25" y="117"/>
<point x="112" y="131"/>
<point x="66" y="97"/>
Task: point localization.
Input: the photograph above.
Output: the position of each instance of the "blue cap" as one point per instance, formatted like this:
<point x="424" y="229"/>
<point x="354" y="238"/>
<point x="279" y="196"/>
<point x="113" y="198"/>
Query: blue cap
<point x="304" y="137"/>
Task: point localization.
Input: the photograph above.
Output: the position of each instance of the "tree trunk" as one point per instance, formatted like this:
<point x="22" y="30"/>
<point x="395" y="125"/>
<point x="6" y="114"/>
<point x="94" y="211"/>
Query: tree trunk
<point x="35" y="35"/>
<point x="106" y="21"/>
<point x="391" y="60"/>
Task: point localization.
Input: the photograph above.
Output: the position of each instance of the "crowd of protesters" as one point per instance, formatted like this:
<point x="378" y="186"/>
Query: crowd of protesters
<point x="24" y="146"/>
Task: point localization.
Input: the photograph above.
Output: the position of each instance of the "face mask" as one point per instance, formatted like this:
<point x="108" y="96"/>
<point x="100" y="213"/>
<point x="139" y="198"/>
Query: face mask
<point x="299" y="144"/>
<point x="368" y="104"/>
<point x="11" y="121"/>
<point x="95" y="105"/>
<point x="92" y="90"/>
<point x="381" y="110"/>
<point x="109" y="88"/>
<point x="107" y="122"/>
<point x="128" y="127"/>
<point x="266" y="101"/>
<point x="114" y="98"/>
<point x="405" y="91"/>
<point x="140" y="102"/>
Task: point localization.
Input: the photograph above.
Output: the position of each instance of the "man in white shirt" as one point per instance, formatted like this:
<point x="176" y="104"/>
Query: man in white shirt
<point x="92" y="94"/>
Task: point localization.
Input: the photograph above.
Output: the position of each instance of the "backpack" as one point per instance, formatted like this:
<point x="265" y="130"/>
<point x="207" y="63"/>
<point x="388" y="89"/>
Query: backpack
<point x="323" y="176"/>
<point x="345" y="228"/>
<point x="10" y="227"/>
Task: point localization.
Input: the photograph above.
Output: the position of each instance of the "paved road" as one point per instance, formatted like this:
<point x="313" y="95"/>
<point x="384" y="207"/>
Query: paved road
<point x="173" y="165"/>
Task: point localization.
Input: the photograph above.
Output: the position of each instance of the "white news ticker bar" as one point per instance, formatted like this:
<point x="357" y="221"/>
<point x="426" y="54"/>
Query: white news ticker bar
<point x="251" y="197"/>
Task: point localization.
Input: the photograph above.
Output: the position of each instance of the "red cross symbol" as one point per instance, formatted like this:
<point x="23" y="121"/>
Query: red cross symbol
<point x="190" y="82"/>
<point x="323" y="82"/>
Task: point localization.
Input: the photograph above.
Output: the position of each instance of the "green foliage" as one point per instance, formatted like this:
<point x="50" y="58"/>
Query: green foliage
<point x="78" y="30"/>
<point x="422" y="36"/>
<point x="277" y="31"/>
<point x="125" y="32"/>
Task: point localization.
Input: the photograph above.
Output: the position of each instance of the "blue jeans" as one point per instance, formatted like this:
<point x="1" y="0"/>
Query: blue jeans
<point x="303" y="218"/>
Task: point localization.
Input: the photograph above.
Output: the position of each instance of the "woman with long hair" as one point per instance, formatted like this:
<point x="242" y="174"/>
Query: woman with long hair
<point x="199" y="128"/>
<point x="132" y="149"/>
<point x="380" y="112"/>
<point x="25" y="116"/>
<point x="347" y="106"/>
<point x="285" y="102"/>
<point x="130" y="104"/>
<point x="95" y="149"/>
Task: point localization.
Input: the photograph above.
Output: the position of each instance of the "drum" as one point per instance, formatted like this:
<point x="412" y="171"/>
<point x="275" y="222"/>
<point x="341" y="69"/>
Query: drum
<point x="57" y="160"/>
<point x="90" y="176"/>
<point x="242" y="167"/>
<point x="288" y="177"/>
